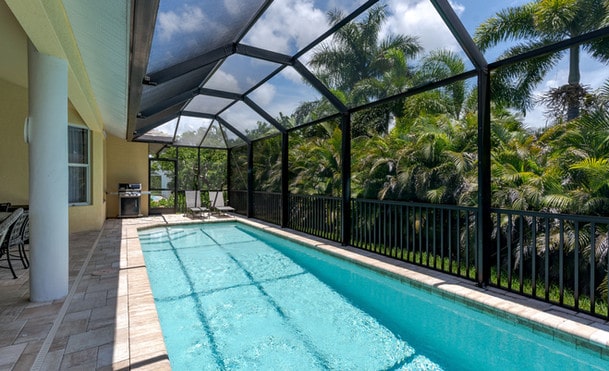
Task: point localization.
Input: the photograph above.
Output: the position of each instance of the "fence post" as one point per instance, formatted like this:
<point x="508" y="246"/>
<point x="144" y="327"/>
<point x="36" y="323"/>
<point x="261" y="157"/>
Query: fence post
<point x="484" y="180"/>
<point x="284" y="179"/>
<point x="346" y="179"/>
<point x="250" y="180"/>
<point x="229" y="184"/>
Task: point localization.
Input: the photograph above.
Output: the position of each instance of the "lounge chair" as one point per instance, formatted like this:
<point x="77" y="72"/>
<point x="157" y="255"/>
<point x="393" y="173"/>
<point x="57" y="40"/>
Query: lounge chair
<point x="193" y="203"/>
<point x="217" y="202"/>
<point x="7" y="225"/>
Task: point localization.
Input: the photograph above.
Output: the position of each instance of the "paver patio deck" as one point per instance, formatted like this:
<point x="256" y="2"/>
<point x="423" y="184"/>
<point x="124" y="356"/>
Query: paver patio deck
<point x="108" y="320"/>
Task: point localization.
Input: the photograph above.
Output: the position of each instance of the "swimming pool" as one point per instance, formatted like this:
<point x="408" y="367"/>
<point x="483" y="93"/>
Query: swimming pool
<point x="233" y="297"/>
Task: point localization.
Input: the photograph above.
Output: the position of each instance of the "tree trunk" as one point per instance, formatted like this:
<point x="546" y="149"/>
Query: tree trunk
<point x="574" y="79"/>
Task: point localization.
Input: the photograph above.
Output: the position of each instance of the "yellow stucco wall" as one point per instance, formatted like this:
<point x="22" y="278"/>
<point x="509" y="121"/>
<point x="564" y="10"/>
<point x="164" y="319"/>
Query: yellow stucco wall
<point x="14" y="167"/>
<point x="14" y="176"/>
<point x="126" y="162"/>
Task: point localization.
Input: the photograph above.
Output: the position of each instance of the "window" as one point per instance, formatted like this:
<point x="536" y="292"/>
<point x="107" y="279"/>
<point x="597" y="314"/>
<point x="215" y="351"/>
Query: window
<point x="78" y="165"/>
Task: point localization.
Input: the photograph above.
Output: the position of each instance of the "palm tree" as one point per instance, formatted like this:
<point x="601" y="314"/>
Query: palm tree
<point x="356" y="53"/>
<point x="579" y="153"/>
<point x="267" y="164"/>
<point x="430" y="161"/>
<point x="359" y="67"/>
<point x="315" y="163"/>
<point x="518" y="181"/>
<point x="539" y="23"/>
<point x="442" y="64"/>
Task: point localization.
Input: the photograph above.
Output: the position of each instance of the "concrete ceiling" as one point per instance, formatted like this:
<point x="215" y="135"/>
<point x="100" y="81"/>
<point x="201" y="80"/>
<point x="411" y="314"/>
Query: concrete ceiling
<point x="93" y="36"/>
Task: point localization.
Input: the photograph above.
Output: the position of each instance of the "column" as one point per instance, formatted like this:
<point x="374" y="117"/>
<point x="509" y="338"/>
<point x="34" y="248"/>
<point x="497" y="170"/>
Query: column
<point x="48" y="176"/>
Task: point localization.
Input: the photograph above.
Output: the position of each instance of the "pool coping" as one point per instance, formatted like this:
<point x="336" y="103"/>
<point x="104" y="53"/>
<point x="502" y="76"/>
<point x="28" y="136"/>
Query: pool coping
<point x="578" y="329"/>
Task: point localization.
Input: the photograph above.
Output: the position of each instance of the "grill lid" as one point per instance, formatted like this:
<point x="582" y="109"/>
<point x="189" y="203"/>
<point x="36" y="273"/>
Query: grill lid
<point x="129" y="187"/>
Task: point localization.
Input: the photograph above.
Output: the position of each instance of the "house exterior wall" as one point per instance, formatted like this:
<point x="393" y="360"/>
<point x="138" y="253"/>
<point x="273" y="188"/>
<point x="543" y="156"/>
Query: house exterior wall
<point x="108" y="166"/>
<point x="127" y="162"/>
<point x="14" y="168"/>
<point x="14" y="176"/>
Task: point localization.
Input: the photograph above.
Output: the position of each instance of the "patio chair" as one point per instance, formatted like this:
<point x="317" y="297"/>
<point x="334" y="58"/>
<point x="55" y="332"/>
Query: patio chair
<point x="217" y="202"/>
<point x="4" y="206"/>
<point x="19" y="236"/>
<point x="6" y="226"/>
<point x="193" y="203"/>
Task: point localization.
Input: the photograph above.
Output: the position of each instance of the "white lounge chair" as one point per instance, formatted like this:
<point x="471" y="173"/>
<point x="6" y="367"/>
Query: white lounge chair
<point x="193" y="204"/>
<point x="217" y="201"/>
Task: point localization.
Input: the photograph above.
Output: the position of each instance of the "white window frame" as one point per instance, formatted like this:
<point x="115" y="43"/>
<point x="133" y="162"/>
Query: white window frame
<point x="82" y="165"/>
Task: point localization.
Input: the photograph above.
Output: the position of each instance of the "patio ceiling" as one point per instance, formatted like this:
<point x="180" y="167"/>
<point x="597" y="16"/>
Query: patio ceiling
<point x="220" y="74"/>
<point x="92" y="36"/>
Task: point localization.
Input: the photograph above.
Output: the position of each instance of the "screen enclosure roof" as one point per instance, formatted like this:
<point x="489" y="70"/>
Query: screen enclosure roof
<point x="221" y="74"/>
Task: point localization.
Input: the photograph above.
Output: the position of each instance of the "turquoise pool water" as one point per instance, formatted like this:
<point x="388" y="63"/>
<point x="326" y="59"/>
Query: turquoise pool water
<point x="230" y="296"/>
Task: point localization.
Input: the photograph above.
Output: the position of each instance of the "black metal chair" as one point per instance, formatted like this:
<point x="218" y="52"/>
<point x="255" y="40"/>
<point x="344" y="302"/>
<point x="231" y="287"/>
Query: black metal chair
<point x="20" y="235"/>
<point x="4" y="206"/>
<point x="7" y="227"/>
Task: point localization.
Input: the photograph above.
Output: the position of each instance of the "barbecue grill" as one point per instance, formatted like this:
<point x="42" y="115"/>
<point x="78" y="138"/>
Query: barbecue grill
<point x="129" y="200"/>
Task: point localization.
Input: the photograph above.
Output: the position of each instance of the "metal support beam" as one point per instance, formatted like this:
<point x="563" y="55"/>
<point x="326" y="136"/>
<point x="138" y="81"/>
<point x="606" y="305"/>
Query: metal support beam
<point x="485" y="224"/>
<point x="285" y="191"/>
<point x="266" y="55"/>
<point x="336" y="26"/>
<point x="145" y="124"/>
<point x="346" y="179"/>
<point x="319" y="86"/>
<point x="551" y="48"/>
<point x="192" y="64"/>
<point x="198" y="172"/>
<point x="250" y="180"/>
<point x="263" y="114"/>
<point x="231" y="128"/>
<point x="219" y="93"/>
<point x="177" y="99"/>
<point x="144" y="18"/>
<point x="456" y="27"/>
<point x="229" y="184"/>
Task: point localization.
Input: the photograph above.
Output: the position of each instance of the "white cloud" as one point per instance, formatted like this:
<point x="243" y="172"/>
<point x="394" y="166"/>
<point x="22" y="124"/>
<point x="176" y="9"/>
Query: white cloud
<point x="223" y="81"/>
<point x="288" y="24"/>
<point x="264" y="95"/>
<point x="233" y="6"/>
<point x="188" y="20"/>
<point x="420" y="19"/>
<point x="192" y="123"/>
<point x="242" y="116"/>
<point x="290" y="74"/>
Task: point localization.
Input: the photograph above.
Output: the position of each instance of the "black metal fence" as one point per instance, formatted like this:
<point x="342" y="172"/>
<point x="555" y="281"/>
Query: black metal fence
<point x="316" y="215"/>
<point x="238" y="200"/>
<point x="557" y="258"/>
<point x="436" y="236"/>
<point x="267" y="207"/>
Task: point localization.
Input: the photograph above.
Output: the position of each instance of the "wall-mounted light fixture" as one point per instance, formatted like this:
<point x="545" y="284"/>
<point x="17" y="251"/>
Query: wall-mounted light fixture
<point x="26" y="130"/>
